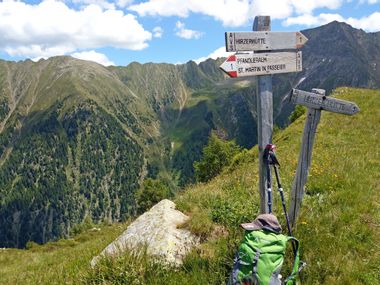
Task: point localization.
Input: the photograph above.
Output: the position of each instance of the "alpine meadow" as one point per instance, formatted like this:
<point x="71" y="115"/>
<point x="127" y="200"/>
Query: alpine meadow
<point x="86" y="149"/>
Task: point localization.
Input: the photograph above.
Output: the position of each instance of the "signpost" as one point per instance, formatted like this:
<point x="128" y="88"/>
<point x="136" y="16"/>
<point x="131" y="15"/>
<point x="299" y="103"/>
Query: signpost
<point x="264" y="96"/>
<point x="263" y="63"/>
<point x="253" y="64"/>
<point x="264" y="40"/>
<point x="315" y="101"/>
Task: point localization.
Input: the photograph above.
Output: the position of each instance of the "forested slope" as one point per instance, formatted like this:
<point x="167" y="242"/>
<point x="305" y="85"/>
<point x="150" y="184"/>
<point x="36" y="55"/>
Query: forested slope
<point x="338" y="226"/>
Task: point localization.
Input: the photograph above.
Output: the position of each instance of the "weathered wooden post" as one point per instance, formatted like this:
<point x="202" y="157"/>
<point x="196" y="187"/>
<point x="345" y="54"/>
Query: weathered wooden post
<point x="304" y="160"/>
<point x="264" y="97"/>
<point x="263" y="64"/>
<point x="315" y="102"/>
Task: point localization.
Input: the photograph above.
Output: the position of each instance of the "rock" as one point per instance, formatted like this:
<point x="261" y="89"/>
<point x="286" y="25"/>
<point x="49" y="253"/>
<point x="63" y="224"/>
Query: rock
<point x="157" y="230"/>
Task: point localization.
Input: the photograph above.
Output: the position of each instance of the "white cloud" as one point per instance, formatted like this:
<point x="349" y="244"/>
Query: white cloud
<point x="233" y="12"/>
<point x="93" y="56"/>
<point x="157" y="32"/>
<point x="310" y="20"/>
<point x="229" y="12"/>
<point x="281" y="9"/>
<point x="102" y="3"/>
<point x="370" y="23"/>
<point x="307" y="7"/>
<point x="275" y="8"/>
<point x="220" y="52"/>
<point x="52" y="28"/>
<point x="123" y="3"/>
<point x="184" y="33"/>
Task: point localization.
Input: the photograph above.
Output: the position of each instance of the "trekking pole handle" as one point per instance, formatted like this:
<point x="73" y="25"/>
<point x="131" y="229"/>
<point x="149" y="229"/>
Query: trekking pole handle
<point x="270" y="147"/>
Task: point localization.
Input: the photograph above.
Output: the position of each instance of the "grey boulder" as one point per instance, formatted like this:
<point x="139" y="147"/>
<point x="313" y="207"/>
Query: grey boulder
<point x="156" y="231"/>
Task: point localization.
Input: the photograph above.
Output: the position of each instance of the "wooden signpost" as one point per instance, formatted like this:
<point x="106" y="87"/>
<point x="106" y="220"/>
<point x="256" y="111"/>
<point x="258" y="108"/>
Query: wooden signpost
<point x="264" y="95"/>
<point x="263" y="64"/>
<point x="316" y="102"/>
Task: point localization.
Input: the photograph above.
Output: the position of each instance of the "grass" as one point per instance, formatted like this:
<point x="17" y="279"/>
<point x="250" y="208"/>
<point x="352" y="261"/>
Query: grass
<point x="339" y="223"/>
<point x="61" y="262"/>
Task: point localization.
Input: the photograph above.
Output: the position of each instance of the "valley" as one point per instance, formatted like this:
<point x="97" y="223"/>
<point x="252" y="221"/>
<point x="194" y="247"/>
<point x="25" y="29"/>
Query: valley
<point x="77" y="139"/>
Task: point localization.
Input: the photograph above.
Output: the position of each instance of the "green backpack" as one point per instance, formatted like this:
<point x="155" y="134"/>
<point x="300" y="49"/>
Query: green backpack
<point x="261" y="254"/>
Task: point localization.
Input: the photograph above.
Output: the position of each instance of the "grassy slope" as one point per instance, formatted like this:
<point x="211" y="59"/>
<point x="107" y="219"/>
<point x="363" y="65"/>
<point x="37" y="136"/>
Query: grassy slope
<point x="61" y="262"/>
<point x="338" y="226"/>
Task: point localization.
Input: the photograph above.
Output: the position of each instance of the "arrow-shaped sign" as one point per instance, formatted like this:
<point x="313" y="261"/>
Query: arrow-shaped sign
<point x="256" y="41"/>
<point x="252" y="64"/>
<point x="316" y="101"/>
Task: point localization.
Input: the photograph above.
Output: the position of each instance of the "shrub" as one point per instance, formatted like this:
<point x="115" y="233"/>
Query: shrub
<point x="298" y="112"/>
<point x="216" y="155"/>
<point x="150" y="193"/>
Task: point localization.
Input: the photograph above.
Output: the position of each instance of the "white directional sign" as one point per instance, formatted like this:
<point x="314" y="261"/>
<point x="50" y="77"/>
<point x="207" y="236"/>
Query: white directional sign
<point x="316" y="101"/>
<point x="252" y="64"/>
<point x="255" y="41"/>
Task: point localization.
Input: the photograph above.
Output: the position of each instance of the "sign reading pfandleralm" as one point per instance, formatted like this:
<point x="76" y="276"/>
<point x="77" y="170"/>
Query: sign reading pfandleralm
<point x="261" y="41"/>
<point x="252" y="64"/>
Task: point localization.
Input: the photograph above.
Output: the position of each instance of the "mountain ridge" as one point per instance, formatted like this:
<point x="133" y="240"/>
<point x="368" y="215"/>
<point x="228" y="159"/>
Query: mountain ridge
<point x="90" y="134"/>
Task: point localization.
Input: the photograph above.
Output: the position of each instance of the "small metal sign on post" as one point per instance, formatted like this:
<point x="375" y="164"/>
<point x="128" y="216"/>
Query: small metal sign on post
<point x="316" y="101"/>
<point x="263" y="63"/>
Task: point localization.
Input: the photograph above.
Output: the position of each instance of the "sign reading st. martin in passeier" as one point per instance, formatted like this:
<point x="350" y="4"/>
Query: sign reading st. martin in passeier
<point x="253" y="64"/>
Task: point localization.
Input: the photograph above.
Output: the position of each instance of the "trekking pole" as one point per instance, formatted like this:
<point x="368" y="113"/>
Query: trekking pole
<point x="269" y="178"/>
<point x="273" y="161"/>
<point x="281" y="190"/>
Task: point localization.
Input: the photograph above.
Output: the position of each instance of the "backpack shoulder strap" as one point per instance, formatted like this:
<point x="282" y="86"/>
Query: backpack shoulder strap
<point x="296" y="263"/>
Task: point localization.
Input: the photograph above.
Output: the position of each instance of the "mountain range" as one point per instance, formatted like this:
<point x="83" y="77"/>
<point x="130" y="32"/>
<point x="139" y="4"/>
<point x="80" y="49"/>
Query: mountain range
<point x="77" y="138"/>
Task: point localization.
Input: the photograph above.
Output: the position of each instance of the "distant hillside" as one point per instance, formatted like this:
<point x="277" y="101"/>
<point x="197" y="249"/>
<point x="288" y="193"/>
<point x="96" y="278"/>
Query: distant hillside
<point x="337" y="55"/>
<point x="66" y="154"/>
<point x="338" y="226"/>
<point x="77" y="138"/>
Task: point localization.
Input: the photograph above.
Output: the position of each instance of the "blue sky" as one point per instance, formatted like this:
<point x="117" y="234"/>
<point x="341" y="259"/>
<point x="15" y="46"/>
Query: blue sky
<point x="173" y="31"/>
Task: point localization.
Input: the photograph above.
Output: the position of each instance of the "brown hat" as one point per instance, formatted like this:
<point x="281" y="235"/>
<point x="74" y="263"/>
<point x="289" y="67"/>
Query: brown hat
<point x="263" y="222"/>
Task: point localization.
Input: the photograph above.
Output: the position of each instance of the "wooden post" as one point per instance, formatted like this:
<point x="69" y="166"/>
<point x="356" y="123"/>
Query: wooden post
<point x="304" y="160"/>
<point x="264" y="116"/>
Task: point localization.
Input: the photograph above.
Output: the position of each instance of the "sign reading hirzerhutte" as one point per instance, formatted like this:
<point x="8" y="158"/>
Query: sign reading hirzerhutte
<point x="264" y="40"/>
<point x="316" y="101"/>
<point x="252" y="64"/>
